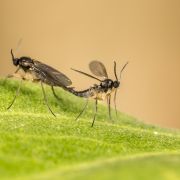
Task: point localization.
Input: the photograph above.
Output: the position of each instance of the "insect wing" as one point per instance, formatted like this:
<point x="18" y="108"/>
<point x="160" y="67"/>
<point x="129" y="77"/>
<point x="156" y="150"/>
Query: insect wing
<point x="52" y="74"/>
<point x="98" y="69"/>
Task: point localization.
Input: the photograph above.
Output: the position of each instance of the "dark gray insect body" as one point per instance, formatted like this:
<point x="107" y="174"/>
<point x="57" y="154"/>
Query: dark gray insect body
<point x="42" y="73"/>
<point x="102" y="91"/>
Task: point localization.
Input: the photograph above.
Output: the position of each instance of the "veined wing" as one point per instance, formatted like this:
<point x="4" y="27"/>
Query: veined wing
<point x="52" y="74"/>
<point x="98" y="69"/>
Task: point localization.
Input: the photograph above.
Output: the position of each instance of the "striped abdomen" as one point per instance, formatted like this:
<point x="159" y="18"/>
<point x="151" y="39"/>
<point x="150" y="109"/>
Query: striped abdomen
<point x="85" y="93"/>
<point x="95" y="92"/>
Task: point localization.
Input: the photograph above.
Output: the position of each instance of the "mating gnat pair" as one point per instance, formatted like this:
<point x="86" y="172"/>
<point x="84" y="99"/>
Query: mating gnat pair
<point x="52" y="77"/>
<point x="102" y="91"/>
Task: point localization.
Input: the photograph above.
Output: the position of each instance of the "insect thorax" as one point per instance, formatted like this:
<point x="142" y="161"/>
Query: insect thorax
<point x="107" y="84"/>
<point x="103" y="90"/>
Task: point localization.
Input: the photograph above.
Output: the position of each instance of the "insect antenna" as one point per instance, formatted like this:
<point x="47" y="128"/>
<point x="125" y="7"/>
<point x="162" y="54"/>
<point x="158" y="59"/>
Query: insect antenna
<point x="12" y="54"/>
<point x="115" y="94"/>
<point x="18" y="44"/>
<point x="115" y="72"/>
<point x="17" y="48"/>
<point x="123" y="69"/>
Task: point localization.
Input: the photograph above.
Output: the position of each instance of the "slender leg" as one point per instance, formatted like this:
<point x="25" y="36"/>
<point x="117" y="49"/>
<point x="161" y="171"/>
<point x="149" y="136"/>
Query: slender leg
<point x="10" y="75"/>
<point x="17" y="93"/>
<point x="45" y="99"/>
<point x="87" y="100"/>
<point x="54" y="93"/>
<point x="17" y="70"/>
<point x="115" y="101"/>
<point x="96" y="108"/>
<point x="109" y="106"/>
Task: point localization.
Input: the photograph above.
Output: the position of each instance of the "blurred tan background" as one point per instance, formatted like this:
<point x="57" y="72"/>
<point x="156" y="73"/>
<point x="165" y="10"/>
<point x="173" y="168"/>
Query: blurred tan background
<point x="70" y="33"/>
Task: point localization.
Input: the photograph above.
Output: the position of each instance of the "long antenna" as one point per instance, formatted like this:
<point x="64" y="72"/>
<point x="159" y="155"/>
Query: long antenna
<point x="17" y="48"/>
<point x="18" y="44"/>
<point x="123" y="69"/>
<point x="115" y="73"/>
<point x="12" y="54"/>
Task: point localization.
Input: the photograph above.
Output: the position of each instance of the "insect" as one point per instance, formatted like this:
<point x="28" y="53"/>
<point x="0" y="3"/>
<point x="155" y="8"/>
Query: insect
<point x="42" y="73"/>
<point x="103" y="90"/>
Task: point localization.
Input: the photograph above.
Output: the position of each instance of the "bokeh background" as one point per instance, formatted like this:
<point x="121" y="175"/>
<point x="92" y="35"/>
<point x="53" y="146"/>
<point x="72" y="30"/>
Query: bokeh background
<point x="67" y="33"/>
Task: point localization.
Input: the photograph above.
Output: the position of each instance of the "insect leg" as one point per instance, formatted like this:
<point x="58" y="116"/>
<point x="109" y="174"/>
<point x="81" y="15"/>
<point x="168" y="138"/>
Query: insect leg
<point x="45" y="99"/>
<point x="96" y="108"/>
<point x="109" y="106"/>
<point x="17" y="93"/>
<point x="54" y="93"/>
<point x="17" y="70"/>
<point x="87" y="100"/>
<point x="10" y="75"/>
<point x="115" y="102"/>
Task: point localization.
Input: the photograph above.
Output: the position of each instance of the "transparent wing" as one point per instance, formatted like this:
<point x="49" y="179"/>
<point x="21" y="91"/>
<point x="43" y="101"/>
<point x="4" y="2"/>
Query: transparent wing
<point x="98" y="69"/>
<point x="52" y="74"/>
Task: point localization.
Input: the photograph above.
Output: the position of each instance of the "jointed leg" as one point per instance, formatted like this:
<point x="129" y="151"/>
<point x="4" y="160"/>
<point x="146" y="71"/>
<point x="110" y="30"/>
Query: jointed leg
<point x="45" y="99"/>
<point x="96" y="108"/>
<point x="87" y="100"/>
<point x="109" y="106"/>
<point x="10" y="75"/>
<point x="54" y="93"/>
<point x="17" y="93"/>
<point x="115" y="101"/>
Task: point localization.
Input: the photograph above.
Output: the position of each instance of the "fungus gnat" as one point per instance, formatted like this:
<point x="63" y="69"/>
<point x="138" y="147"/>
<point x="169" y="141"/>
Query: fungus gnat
<point x="103" y="90"/>
<point x="40" y="72"/>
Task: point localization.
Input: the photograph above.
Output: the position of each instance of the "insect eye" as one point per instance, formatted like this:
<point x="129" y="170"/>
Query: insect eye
<point x="116" y="84"/>
<point x="16" y="61"/>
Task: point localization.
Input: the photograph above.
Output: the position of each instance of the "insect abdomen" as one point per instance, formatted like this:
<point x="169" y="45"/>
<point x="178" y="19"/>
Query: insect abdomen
<point x="85" y="93"/>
